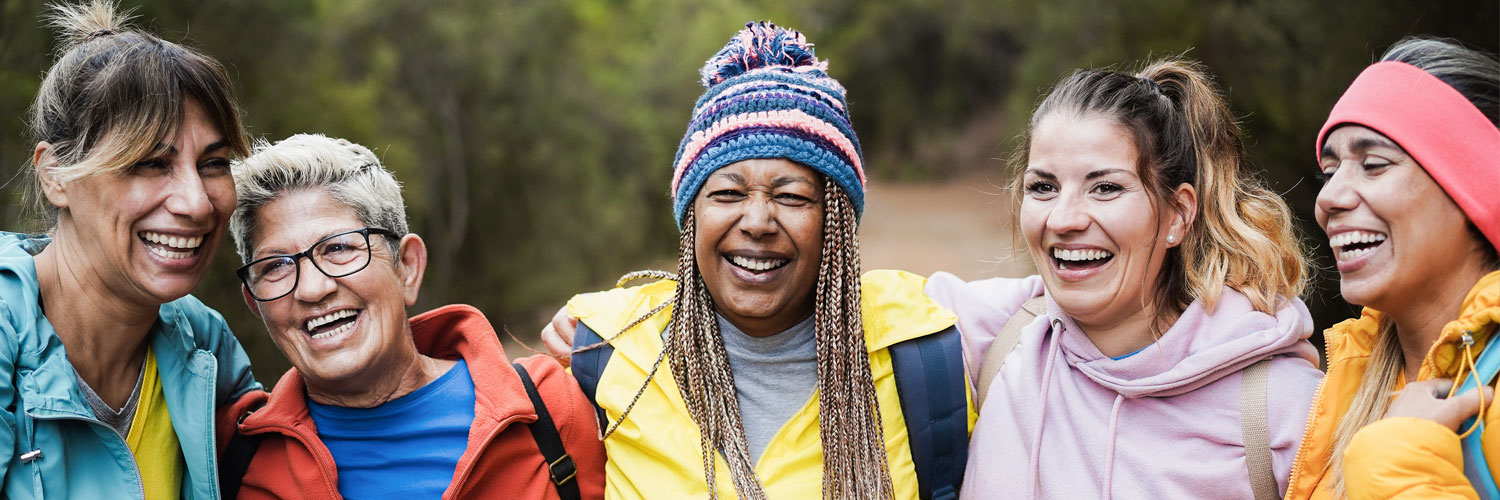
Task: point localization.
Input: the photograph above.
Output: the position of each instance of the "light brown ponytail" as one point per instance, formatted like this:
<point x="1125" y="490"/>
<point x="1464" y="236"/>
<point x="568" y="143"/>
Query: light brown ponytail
<point x="1243" y="235"/>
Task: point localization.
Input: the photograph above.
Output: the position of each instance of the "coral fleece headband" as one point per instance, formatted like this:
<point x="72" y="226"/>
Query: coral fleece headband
<point x="1457" y="145"/>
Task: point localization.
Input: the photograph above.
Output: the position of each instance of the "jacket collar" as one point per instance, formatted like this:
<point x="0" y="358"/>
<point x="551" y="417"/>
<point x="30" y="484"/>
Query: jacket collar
<point x="51" y="386"/>
<point x="1478" y="314"/>
<point x="449" y="332"/>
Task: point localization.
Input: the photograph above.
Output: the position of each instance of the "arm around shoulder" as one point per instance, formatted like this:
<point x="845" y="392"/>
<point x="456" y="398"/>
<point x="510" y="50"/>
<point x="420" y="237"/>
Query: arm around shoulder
<point x="211" y="333"/>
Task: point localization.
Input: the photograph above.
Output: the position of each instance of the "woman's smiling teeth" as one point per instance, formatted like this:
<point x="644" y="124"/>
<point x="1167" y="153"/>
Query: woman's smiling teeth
<point x="1353" y="244"/>
<point x="757" y="265"/>
<point x="1079" y="258"/>
<point x="332" y="323"/>
<point x="171" y="247"/>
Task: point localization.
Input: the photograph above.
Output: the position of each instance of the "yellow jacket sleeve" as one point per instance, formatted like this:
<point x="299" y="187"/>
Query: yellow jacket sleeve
<point x="1406" y="458"/>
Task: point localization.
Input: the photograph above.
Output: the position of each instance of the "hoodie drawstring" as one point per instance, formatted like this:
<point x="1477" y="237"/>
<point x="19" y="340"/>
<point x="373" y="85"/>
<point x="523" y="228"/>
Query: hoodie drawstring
<point x="1109" y="453"/>
<point x="1041" y="412"/>
<point x="1467" y="362"/>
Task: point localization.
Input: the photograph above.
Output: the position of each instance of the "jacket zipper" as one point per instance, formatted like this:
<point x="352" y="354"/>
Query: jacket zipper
<point x="134" y="466"/>
<point x="1298" y="469"/>
<point x="458" y="481"/>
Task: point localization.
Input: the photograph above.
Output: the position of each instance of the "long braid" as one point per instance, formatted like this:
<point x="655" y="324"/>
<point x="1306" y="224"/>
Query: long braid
<point x="700" y="365"/>
<point x="854" y="455"/>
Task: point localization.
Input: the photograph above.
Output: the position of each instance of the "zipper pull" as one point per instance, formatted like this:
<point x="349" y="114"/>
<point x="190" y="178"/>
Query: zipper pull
<point x="31" y="456"/>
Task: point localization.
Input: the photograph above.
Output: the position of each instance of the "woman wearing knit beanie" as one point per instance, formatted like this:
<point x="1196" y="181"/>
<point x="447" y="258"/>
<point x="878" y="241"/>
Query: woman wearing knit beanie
<point x="787" y="374"/>
<point x="1410" y="154"/>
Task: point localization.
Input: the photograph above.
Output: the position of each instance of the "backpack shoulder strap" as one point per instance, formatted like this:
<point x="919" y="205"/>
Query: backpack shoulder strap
<point x="1255" y="426"/>
<point x="559" y="464"/>
<point x="588" y="367"/>
<point x="1004" y="343"/>
<point x="929" y="373"/>
<point x="235" y="461"/>
<point x="1476" y="465"/>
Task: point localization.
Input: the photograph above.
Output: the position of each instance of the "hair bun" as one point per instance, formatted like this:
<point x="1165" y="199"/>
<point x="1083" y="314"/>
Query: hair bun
<point x="761" y="45"/>
<point x="86" y="20"/>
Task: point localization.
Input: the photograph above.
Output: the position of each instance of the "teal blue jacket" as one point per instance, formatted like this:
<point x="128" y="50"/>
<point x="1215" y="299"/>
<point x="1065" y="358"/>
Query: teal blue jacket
<point x="51" y="446"/>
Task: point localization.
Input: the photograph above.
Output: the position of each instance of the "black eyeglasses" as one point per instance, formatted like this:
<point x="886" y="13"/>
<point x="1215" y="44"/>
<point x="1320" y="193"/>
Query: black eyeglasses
<point x="337" y="256"/>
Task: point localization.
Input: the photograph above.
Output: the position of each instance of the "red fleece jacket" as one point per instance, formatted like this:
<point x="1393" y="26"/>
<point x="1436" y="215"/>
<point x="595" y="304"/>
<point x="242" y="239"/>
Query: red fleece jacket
<point x="501" y="461"/>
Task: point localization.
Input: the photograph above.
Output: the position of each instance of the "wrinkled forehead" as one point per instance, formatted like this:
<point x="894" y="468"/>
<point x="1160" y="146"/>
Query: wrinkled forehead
<point x="298" y="218"/>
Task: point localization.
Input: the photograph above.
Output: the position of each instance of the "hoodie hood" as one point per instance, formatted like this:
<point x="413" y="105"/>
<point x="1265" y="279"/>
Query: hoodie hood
<point x="1201" y="346"/>
<point x="1062" y="420"/>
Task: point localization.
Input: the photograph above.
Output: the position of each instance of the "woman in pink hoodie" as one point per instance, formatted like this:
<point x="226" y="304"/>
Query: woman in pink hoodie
<point x="1168" y="275"/>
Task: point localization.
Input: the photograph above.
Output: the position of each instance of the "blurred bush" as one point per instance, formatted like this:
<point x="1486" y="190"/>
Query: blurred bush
<point x="535" y="138"/>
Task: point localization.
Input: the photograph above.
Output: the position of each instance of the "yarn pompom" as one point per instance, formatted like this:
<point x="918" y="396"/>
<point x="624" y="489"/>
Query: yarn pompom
<point x="761" y="45"/>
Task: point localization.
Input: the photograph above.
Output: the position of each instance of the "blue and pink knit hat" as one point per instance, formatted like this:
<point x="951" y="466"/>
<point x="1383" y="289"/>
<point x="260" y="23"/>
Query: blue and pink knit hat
<point x="768" y="97"/>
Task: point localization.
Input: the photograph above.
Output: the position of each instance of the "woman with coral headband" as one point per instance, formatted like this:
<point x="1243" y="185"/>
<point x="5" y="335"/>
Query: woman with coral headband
<point x="1410" y="154"/>
<point x="790" y="375"/>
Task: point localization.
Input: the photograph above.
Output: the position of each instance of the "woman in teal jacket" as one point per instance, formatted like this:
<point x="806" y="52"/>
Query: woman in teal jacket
<point x="112" y="371"/>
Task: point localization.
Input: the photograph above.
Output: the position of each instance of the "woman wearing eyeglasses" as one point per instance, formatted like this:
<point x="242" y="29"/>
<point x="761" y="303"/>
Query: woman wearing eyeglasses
<point x="378" y="405"/>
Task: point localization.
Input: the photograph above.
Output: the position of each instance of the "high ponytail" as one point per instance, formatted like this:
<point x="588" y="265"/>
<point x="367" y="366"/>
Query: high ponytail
<point x="1185" y="133"/>
<point x="1242" y="236"/>
<point x="115" y="95"/>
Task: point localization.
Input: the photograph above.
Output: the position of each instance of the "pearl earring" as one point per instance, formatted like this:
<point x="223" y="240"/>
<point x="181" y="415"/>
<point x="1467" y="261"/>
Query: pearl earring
<point x="1171" y="239"/>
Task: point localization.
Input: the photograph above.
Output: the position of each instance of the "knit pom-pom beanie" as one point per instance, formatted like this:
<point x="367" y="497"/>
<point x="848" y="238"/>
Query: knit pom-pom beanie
<point x="768" y="97"/>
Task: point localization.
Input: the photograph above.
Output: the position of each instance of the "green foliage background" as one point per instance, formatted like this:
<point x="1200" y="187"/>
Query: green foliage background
<point x="534" y="138"/>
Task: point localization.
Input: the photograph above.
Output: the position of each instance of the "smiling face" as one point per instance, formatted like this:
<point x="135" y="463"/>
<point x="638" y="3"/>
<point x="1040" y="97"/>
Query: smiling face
<point x="1392" y="229"/>
<point x="759" y="242"/>
<point x="1093" y="229"/>
<point x="340" y="333"/>
<point x="151" y="230"/>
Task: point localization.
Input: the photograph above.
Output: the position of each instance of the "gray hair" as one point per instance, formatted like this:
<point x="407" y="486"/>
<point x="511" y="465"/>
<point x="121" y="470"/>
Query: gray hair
<point x="348" y="172"/>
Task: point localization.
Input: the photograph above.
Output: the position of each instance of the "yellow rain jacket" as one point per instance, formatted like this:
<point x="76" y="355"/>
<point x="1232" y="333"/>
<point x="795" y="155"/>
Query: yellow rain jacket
<point x="1397" y="457"/>
<point x="655" y="452"/>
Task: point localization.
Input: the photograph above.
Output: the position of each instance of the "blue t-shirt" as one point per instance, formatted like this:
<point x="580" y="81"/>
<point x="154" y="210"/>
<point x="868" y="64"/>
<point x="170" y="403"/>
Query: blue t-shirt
<point x="406" y="448"/>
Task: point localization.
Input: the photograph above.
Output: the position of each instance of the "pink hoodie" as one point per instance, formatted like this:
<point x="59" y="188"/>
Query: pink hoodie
<point x="1064" y="421"/>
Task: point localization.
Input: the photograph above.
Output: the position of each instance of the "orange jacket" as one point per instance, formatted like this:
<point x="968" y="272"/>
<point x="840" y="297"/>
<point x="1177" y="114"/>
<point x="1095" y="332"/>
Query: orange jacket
<point x="502" y="460"/>
<point x="1397" y="457"/>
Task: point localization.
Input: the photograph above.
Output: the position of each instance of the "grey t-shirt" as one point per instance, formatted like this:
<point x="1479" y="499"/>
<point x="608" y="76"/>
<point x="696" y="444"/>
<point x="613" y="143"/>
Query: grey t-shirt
<point x="773" y="377"/>
<point x="119" y="420"/>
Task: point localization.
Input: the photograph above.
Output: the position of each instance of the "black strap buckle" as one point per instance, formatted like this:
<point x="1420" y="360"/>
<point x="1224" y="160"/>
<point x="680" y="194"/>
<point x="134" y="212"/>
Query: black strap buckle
<point x="563" y="467"/>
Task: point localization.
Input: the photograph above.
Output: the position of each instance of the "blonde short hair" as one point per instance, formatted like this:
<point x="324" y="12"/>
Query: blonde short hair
<point x="348" y="172"/>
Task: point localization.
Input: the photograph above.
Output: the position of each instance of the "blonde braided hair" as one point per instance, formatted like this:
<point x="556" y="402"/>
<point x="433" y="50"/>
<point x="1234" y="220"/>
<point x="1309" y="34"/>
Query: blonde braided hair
<point x="849" y="420"/>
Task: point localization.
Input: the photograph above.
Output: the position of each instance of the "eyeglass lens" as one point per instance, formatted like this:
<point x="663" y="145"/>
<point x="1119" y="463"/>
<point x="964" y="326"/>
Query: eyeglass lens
<point x="339" y="255"/>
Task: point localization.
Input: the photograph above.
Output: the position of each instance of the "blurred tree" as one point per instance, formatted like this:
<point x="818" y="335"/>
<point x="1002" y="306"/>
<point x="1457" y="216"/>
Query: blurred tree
<point x="535" y="138"/>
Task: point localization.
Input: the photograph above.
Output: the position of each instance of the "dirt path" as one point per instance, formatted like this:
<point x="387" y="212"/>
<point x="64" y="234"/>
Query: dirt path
<point x="961" y="226"/>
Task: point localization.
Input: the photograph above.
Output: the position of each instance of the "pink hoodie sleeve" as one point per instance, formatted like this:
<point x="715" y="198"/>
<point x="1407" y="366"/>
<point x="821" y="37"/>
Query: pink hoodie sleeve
<point x="1292" y="385"/>
<point x="982" y="307"/>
